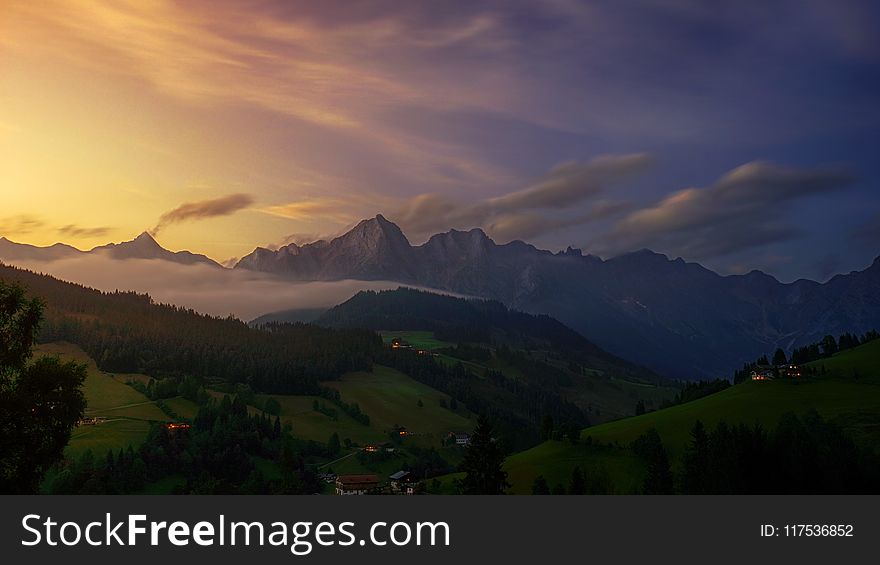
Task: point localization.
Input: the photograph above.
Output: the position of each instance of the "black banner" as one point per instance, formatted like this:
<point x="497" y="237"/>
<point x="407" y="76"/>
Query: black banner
<point x="426" y="530"/>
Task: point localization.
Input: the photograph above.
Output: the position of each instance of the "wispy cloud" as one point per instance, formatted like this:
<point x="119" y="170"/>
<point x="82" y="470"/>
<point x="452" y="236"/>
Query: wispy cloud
<point x="519" y="214"/>
<point x="212" y="208"/>
<point x="749" y="207"/>
<point x="22" y="224"/>
<point x="73" y="230"/>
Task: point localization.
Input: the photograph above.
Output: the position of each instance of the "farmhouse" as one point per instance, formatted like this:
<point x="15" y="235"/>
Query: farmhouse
<point x="461" y="438"/>
<point x="356" y="484"/>
<point x="766" y="373"/>
<point x="398" y="343"/>
<point x="763" y="373"/>
<point x="174" y="426"/>
<point x="403" y="482"/>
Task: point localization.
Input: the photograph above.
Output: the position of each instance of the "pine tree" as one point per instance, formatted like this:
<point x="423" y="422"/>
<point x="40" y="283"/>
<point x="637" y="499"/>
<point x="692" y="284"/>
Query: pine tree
<point x="333" y="444"/>
<point x="547" y="427"/>
<point x="659" y="475"/>
<point x="696" y="462"/>
<point x="483" y="462"/>
<point x="577" y="484"/>
<point x="779" y="357"/>
<point x="540" y="485"/>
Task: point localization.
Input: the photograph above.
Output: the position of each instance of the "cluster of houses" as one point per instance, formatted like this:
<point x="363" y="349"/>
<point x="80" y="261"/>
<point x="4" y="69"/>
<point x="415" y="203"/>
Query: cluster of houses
<point x="400" y="483"/>
<point x="769" y="372"/>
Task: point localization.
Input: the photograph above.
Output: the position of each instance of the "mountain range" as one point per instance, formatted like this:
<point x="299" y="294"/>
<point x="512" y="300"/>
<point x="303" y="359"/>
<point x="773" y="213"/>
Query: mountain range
<point x="675" y="317"/>
<point x="143" y="246"/>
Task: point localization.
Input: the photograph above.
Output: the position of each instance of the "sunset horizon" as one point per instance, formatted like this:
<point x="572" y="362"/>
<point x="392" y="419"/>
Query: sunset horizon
<point x="222" y="127"/>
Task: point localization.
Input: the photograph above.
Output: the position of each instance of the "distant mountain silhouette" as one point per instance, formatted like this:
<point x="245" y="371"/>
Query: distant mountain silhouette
<point x="12" y="251"/>
<point x="142" y="247"/>
<point x="678" y="318"/>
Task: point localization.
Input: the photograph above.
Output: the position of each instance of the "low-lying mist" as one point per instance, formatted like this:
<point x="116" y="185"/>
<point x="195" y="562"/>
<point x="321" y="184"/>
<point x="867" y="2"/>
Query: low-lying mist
<point x="241" y="293"/>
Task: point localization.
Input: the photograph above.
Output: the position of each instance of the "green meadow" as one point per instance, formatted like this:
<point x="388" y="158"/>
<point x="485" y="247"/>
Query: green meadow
<point x="388" y="397"/>
<point x="418" y="339"/>
<point x="848" y="393"/>
<point x="860" y="363"/>
<point x="128" y="412"/>
<point x="855" y="405"/>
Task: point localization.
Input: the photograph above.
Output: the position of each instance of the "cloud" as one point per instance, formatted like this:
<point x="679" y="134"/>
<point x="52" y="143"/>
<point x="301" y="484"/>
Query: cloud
<point x="516" y="215"/>
<point x="750" y="206"/>
<point x="20" y="224"/>
<point x="214" y="207"/>
<point x="72" y="230"/>
<point x="220" y="292"/>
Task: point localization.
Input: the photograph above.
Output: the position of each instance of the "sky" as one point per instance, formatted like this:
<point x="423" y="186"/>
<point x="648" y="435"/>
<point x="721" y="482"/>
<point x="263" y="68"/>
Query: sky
<point x="742" y="135"/>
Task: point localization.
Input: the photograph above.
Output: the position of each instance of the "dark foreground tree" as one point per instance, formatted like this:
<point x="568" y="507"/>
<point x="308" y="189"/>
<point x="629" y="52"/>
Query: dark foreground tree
<point x="540" y="485"/>
<point x="482" y="463"/>
<point x="659" y="475"/>
<point x="779" y="357"/>
<point x="696" y="472"/>
<point x="577" y="484"/>
<point x="40" y="402"/>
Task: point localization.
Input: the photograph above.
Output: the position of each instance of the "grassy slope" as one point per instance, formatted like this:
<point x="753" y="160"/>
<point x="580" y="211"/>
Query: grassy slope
<point x="863" y="361"/>
<point x="603" y="398"/>
<point x="388" y="397"/>
<point x="853" y="404"/>
<point x="391" y="398"/>
<point x="418" y="339"/>
<point x="128" y="411"/>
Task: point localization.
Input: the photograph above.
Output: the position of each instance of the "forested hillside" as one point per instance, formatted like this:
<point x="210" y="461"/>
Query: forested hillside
<point x="460" y="320"/>
<point x="128" y="332"/>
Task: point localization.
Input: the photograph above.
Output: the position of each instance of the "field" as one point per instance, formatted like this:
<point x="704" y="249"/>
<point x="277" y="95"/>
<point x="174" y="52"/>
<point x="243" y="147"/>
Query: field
<point x="128" y="412"/>
<point x="182" y="407"/>
<point x="419" y="340"/>
<point x="388" y="397"/>
<point x="602" y="398"/>
<point x="855" y="405"/>
<point x="862" y="362"/>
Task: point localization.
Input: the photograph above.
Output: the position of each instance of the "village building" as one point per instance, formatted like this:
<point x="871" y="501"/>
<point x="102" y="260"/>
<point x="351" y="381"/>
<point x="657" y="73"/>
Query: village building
<point x="356" y="484"/>
<point x="767" y="373"/>
<point x="763" y="373"/>
<point x="403" y="482"/>
<point x="461" y="438"/>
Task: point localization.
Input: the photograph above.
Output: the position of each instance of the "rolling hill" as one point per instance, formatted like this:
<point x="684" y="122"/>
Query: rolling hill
<point x="485" y="336"/>
<point x="853" y="404"/>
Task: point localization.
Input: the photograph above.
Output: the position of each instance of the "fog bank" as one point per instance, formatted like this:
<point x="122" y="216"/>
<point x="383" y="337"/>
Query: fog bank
<point x="241" y="293"/>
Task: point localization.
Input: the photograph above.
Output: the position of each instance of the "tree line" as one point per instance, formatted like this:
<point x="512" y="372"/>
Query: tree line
<point x="128" y="332"/>
<point x="800" y="455"/>
<point x="822" y="349"/>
